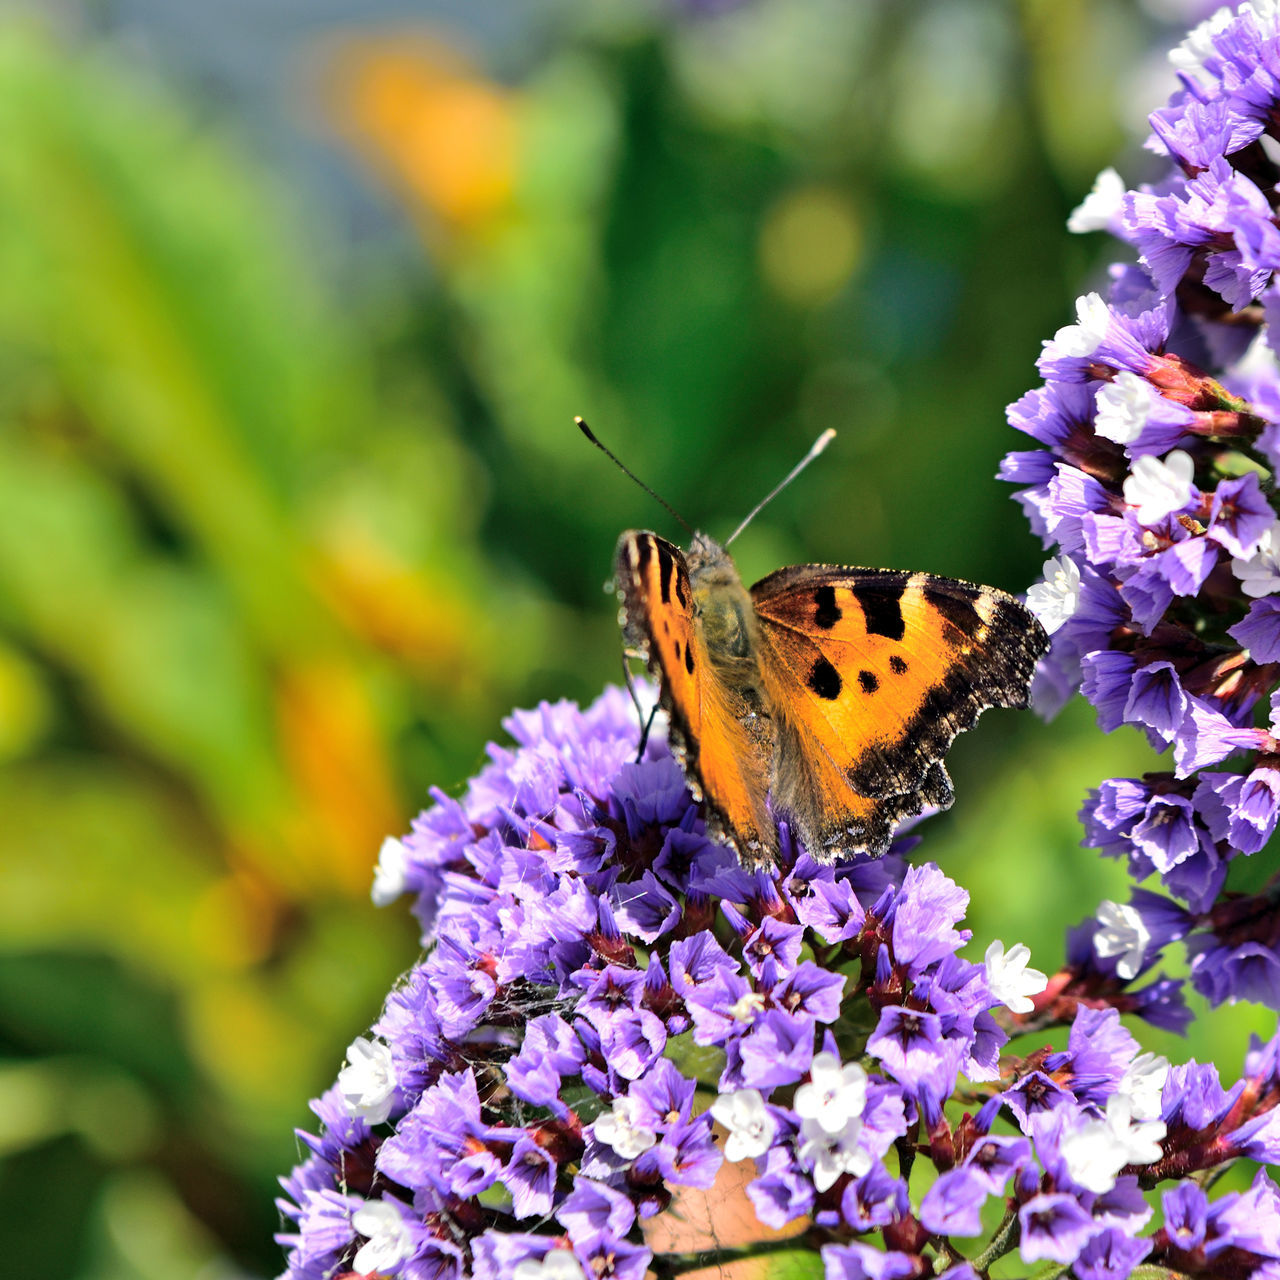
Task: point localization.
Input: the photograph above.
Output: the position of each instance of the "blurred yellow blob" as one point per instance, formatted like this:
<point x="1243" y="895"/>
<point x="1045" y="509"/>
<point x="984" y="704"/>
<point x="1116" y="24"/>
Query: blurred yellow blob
<point x="24" y="705"/>
<point x="810" y="244"/>
<point x="235" y="920"/>
<point x="337" y="760"/>
<point x="446" y="135"/>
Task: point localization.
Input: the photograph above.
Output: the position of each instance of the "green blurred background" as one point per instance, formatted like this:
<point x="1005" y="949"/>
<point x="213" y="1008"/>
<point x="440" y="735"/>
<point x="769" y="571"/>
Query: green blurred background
<point x="298" y="303"/>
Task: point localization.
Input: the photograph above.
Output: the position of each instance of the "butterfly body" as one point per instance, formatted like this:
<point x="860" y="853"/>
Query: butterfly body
<point x="831" y="691"/>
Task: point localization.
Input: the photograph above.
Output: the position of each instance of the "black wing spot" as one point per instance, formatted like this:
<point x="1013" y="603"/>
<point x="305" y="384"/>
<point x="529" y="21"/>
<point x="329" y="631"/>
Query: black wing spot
<point x="688" y="659"/>
<point x="827" y="613"/>
<point x="897" y="665"/>
<point x="825" y="680"/>
<point x="682" y="590"/>
<point x="667" y="571"/>
<point x="868" y="681"/>
<point x="883" y="612"/>
<point x="956" y="610"/>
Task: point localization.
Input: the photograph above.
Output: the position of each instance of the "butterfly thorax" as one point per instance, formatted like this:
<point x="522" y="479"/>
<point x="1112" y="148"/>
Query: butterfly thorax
<point x="723" y="613"/>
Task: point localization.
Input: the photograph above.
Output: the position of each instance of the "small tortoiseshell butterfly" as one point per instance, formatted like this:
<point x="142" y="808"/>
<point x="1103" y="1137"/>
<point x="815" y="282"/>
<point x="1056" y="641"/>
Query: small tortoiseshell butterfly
<point x="834" y="691"/>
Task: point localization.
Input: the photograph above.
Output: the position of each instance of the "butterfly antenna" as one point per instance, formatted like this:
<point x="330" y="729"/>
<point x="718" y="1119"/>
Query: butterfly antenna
<point x="626" y="471"/>
<point x="818" y="445"/>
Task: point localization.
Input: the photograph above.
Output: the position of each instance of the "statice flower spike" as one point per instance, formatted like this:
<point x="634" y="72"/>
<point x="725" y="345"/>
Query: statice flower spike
<point x="526" y="1104"/>
<point x="1154" y="492"/>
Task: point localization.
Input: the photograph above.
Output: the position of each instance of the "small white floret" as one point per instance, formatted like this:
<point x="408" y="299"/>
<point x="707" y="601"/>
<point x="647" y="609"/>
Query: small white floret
<point x="1082" y="339"/>
<point x="388" y="1242"/>
<point x="746" y="1008"/>
<point x="1124" y="406"/>
<point x="1190" y="56"/>
<point x="1159" y="488"/>
<point x="1260" y="574"/>
<point x="830" y="1155"/>
<point x="390" y="876"/>
<point x="621" y="1129"/>
<point x="1098" y="1149"/>
<point x="368" y="1081"/>
<point x="1097" y="210"/>
<point x="750" y="1123"/>
<point x="1143" y="1085"/>
<point x="1010" y="980"/>
<point x="1124" y="933"/>
<point x="555" y="1264"/>
<point x="834" y="1095"/>
<point x="1057" y="598"/>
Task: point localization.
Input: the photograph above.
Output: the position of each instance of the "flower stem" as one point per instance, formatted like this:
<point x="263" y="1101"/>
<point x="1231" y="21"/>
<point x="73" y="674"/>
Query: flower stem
<point x="665" y="1266"/>
<point x="1005" y="1238"/>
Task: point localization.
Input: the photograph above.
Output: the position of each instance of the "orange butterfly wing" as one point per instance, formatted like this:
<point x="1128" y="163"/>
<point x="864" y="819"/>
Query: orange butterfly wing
<point x="870" y="674"/>
<point x="723" y="744"/>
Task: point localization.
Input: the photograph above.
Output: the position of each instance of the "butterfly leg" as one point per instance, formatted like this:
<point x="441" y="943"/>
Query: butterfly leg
<point x="646" y="722"/>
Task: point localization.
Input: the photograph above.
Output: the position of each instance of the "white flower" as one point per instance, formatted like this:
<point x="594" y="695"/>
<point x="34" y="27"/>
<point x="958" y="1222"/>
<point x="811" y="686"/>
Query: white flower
<point x="750" y="1123"/>
<point x="368" y="1081"/>
<point x="1055" y="599"/>
<point x="834" y="1095"/>
<point x="388" y="1244"/>
<point x="1100" y="206"/>
<point x="1260" y="574"/>
<point x="1124" y="405"/>
<point x="1097" y="1150"/>
<point x="1143" y="1084"/>
<point x="621" y="1129"/>
<point x="390" y="876"/>
<point x="555" y="1264"/>
<point x="830" y="1155"/>
<point x="1157" y="488"/>
<point x="1124" y="933"/>
<point x="1189" y="57"/>
<point x="745" y="1007"/>
<point x="1011" y="982"/>
<point x="1083" y="338"/>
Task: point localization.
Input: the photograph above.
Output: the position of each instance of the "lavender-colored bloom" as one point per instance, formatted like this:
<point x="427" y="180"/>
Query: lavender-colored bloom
<point x="1156" y="699"/>
<point x="1054" y="1227"/>
<point x="1034" y="1097"/>
<point x="914" y="1050"/>
<point x="875" y="1200"/>
<point x="1240" y="516"/>
<point x="924" y="914"/>
<point x="1259" y="632"/>
<point x="953" y="1205"/>
<point x="862" y="1262"/>
<point x="995" y="1158"/>
<point x="1110" y="1255"/>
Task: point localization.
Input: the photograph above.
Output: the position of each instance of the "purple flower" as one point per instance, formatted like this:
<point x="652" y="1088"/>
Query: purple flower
<point x="1054" y="1226"/>
<point x="1259" y="632"/>
<point x="913" y="1047"/>
<point x="875" y="1200"/>
<point x="953" y="1205"/>
<point x="1240" y="516"/>
<point x="924" y="914"/>
<point x="1110" y="1255"/>
<point x="1156" y="699"/>
<point x="862" y="1262"/>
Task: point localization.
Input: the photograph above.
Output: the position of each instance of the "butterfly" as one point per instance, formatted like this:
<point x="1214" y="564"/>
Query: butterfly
<point x="833" y="691"/>
<point x="825" y="694"/>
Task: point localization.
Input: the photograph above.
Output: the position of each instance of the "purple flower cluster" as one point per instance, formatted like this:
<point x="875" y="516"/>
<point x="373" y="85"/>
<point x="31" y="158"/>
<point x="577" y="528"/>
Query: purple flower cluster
<point x="601" y="983"/>
<point x="1158" y="434"/>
